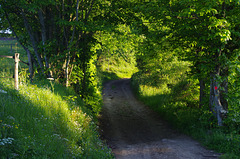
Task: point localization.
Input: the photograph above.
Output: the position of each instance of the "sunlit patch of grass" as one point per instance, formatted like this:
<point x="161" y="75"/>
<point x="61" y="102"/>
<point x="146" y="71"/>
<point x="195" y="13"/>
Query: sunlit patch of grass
<point x="152" y="91"/>
<point x="118" y="67"/>
<point x="35" y="122"/>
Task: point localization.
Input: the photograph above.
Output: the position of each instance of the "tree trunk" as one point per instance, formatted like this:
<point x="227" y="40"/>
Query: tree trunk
<point x="84" y="81"/>
<point x="30" y="64"/>
<point x="202" y="93"/>
<point x="70" y="45"/>
<point x="224" y="88"/>
<point x="215" y="103"/>
<point x="34" y="44"/>
<point x="44" y="39"/>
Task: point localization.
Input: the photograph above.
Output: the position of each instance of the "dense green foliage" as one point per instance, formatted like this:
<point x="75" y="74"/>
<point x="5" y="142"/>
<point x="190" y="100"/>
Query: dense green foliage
<point x="186" y="53"/>
<point x="189" y="68"/>
<point x="58" y="36"/>
<point x="60" y="39"/>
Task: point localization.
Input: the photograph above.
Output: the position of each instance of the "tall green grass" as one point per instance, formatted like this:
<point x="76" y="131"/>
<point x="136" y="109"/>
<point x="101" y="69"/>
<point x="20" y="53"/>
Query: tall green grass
<point x="46" y="121"/>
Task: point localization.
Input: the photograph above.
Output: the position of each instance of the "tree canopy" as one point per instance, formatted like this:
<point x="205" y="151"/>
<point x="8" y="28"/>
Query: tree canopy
<point x="59" y="37"/>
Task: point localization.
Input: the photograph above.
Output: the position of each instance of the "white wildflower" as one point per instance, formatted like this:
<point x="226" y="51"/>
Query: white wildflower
<point x="6" y="141"/>
<point x="2" y="91"/>
<point x="10" y="117"/>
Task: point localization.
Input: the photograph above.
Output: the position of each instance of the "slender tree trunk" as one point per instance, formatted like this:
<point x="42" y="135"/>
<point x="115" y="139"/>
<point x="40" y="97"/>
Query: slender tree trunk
<point x="30" y="63"/>
<point x="44" y="39"/>
<point x="34" y="44"/>
<point x="84" y="81"/>
<point x="70" y="45"/>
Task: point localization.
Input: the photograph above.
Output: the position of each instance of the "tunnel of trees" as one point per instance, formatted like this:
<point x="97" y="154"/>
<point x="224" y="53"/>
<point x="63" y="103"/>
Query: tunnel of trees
<point x="67" y="39"/>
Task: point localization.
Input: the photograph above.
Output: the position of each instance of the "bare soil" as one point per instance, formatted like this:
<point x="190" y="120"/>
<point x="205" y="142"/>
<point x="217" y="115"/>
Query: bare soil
<point x="133" y="131"/>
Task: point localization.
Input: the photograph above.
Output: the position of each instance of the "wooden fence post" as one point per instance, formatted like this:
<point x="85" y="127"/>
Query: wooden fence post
<point x="16" y="57"/>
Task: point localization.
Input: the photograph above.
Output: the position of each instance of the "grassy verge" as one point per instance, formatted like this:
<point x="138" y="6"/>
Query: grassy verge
<point x="46" y="120"/>
<point x="178" y="104"/>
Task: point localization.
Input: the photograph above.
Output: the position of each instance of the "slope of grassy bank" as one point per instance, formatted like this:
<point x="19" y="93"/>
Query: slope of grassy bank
<point x="46" y="120"/>
<point x="178" y="104"/>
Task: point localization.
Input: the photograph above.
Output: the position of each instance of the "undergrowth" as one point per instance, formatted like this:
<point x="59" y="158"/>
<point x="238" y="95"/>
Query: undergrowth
<point x="46" y="120"/>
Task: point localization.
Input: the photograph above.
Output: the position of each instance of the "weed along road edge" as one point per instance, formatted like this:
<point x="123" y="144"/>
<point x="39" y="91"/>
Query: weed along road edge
<point x="133" y="131"/>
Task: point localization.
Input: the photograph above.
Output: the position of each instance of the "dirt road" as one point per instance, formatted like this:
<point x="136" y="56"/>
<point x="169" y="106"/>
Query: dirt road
<point x="134" y="132"/>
